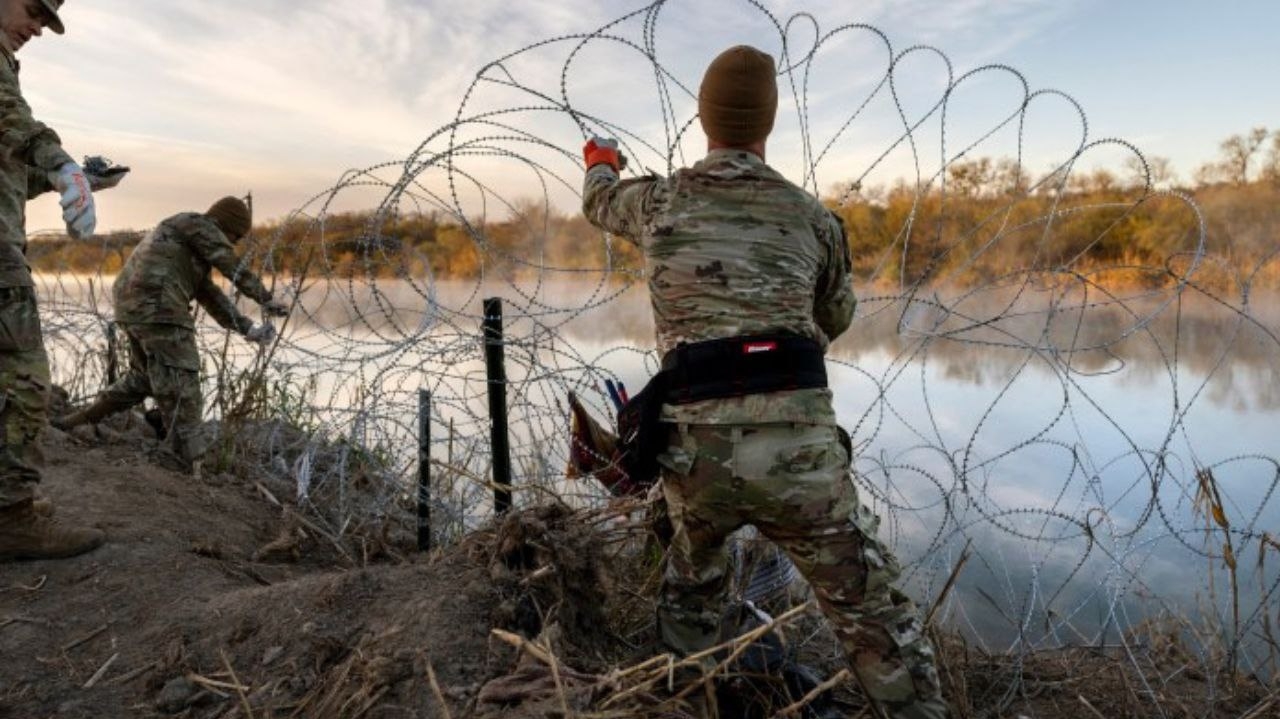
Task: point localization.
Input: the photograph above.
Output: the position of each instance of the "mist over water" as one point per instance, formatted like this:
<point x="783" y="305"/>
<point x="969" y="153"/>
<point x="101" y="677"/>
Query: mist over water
<point x="1061" y="438"/>
<point x="1073" y="475"/>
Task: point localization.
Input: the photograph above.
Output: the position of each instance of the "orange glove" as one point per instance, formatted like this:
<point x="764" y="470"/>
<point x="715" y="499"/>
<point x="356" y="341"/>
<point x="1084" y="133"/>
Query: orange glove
<point x="603" y="151"/>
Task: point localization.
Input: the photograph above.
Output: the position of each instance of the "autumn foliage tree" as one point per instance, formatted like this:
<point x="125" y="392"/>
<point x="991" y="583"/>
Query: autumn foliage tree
<point x="982" y="220"/>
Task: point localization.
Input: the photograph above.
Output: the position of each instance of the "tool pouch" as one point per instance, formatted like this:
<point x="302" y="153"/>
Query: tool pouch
<point x="642" y="436"/>
<point x="715" y="369"/>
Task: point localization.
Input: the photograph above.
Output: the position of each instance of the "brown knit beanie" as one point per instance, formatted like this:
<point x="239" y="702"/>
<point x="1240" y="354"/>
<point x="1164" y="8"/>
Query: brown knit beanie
<point x="231" y="216"/>
<point x="739" y="96"/>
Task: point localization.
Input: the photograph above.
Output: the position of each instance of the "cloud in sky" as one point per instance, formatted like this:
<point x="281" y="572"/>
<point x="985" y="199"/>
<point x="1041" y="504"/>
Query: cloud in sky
<point x="280" y="96"/>
<point x="204" y="99"/>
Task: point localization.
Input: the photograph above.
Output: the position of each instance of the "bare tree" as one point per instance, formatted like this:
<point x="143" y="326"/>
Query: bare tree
<point x="1158" y="170"/>
<point x="1211" y="173"/>
<point x="971" y="178"/>
<point x="1099" y="180"/>
<point x="1053" y="181"/>
<point x="1271" y="166"/>
<point x="1238" y="152"/>
<point x="1010" y="177"/>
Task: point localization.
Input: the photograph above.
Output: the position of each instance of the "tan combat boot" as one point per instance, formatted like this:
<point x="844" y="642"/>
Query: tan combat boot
<point x="27" y="534"/>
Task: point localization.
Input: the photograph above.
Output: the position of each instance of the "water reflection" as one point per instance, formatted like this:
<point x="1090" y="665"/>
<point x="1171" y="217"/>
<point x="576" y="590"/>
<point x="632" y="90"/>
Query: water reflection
<point x="1060" y="434"/>
<point x="1062" y="438"/>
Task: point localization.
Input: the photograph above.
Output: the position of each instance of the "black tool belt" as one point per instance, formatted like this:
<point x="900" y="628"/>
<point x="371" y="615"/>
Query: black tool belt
<point x="739" y="366"/>
<point x="714" y="369"/>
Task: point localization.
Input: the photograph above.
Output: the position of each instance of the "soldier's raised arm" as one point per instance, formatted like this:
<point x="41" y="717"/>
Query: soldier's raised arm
<point x="614" y="205"/>
<point x="834" y="301"/>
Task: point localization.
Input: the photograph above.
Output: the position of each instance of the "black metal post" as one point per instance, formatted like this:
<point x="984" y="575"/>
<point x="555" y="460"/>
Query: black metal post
<point x="424" y="470"/>
<point x="113" y="355"/>
<point x="495" y="368"/>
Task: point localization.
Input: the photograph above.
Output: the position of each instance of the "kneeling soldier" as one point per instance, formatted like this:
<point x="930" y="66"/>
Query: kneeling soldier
<point x="168" y="270"/>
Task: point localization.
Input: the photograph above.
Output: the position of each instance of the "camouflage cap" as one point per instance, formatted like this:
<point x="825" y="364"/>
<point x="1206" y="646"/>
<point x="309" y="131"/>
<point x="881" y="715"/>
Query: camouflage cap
<point x="54" y="22"/>
<point x="738" y="98"/>
<point x="232" y="216"/>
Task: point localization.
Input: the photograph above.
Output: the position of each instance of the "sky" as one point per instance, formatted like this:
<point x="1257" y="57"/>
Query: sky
<point x="281" y="97"/>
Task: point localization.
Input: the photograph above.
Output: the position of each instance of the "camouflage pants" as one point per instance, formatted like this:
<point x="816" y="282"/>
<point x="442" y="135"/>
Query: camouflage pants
<point x="792" y="483"/>
<point x="164" y="363"/>
<point x="24" y="390"/>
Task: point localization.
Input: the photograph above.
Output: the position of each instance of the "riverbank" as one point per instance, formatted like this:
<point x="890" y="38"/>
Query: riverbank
<point x="218" y="596"/>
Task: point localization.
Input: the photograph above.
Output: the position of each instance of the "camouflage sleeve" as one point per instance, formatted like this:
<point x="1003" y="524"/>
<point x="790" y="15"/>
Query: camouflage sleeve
<point x="37" y="182"/>
<point x="833" y="301"/>
<point x="220" y="307"/>
<point x="619" y="207"/>
<point x="21" y="137"/>
<point x="214" y="247"/>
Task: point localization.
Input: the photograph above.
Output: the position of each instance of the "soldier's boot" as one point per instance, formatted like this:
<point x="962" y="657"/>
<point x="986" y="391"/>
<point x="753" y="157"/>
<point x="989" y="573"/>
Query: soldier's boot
<point x="92" y="414"/>
<point x="155" y="420"/>
<point x="699" y="695"/>
<point x="923" y="709"/>
<point x="26" y="534"/>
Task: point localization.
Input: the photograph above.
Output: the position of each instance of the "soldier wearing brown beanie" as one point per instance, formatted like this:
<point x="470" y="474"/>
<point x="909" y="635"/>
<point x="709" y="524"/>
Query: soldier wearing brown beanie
<point x="232" y="216"/>
<point x="738" y="99"/>
<point x="749" y="277"/>
<point x="168" y="271"/>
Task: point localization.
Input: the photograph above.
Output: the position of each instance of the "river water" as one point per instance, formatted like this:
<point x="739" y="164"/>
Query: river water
<point x="1064" y="445"/>
<point x="1063" y="438"/>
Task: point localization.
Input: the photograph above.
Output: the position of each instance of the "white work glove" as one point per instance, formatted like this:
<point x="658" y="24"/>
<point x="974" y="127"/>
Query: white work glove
<point x="102" y="173"/>
<point x="77" y="200"/>
<point x="263" y="334"/>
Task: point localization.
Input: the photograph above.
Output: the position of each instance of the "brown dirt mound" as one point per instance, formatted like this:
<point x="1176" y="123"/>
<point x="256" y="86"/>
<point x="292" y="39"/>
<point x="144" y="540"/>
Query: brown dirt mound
<point x="212" y="600"/>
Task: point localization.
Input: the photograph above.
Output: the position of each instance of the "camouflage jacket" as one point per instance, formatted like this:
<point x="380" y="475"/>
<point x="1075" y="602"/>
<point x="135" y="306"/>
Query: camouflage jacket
<point x="29" y="151"/>
<point x="732" y="248"/>
<point x="171" y="267"/>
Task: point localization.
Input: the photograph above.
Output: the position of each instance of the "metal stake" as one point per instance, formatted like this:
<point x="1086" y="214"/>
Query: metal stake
<point x="495" y="367"/>
<point x="424" y="470"/>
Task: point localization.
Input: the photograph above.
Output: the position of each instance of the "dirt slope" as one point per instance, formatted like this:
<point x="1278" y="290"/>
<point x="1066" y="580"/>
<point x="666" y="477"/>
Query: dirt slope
<point x="177" y="589"/>
<point x="213" y="600"/>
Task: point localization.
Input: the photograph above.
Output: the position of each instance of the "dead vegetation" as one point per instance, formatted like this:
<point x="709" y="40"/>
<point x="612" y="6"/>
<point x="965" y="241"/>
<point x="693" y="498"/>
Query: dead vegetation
<point x="220" y="596"/>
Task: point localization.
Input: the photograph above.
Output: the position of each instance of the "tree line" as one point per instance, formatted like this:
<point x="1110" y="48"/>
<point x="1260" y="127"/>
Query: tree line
<point x="984" y="219"/>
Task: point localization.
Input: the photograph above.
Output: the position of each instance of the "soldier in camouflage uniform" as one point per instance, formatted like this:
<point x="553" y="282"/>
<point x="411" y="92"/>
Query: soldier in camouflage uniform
<point x="165" y="273"/>
<point x="735" y="250"/>
<point x="32" y="162"/>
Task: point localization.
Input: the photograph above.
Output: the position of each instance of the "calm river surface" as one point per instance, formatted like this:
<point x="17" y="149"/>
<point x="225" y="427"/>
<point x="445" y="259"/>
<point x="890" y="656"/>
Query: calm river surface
<point x="1063" y="443"/>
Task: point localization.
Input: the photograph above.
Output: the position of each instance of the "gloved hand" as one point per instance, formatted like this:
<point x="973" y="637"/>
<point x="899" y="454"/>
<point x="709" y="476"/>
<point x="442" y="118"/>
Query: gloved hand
<point x="263" y="334"/>
<point x="77" y="200"/>
<point x="604" y="151"/>
<point x="279" y="306"/>
<point x="275" y="308"/>
<point x="102" y="173"/>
